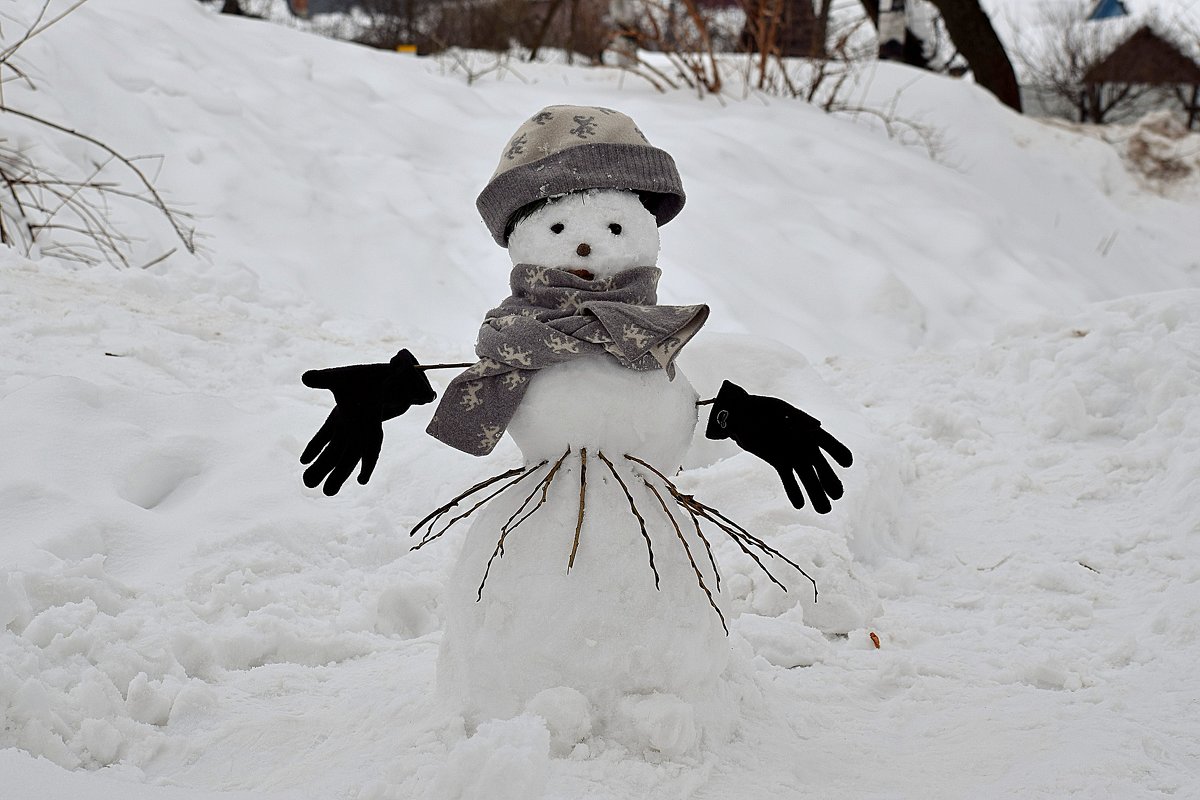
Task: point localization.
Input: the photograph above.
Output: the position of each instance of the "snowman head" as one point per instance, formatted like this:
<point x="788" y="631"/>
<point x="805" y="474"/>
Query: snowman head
<point x="593" y="233"/>
<point x="565" y="150"/>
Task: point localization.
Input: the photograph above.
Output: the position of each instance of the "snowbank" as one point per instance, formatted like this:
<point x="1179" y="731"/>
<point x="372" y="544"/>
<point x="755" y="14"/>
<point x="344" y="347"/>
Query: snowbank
<point x="1007" y="337"/>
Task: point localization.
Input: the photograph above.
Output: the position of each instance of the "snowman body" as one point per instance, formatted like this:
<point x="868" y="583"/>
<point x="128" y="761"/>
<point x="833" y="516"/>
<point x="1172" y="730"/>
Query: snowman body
<point x="617" y="647"/>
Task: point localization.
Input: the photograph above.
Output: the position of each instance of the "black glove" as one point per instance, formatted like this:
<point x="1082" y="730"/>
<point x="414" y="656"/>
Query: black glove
<point x="783" y="436"/>
<point x="365" y="396"/>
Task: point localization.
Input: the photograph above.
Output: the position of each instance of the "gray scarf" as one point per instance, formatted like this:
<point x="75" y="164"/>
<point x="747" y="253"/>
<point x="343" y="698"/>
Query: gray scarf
<point x="554" y="316"/>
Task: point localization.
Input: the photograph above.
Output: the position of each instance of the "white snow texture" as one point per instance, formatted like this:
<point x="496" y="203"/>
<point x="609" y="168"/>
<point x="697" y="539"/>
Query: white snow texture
<point x="1007" y="335"/>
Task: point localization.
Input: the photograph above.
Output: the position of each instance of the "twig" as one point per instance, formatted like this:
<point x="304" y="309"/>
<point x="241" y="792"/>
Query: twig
<point x="40" y="198"/>
<point x="437" y="513"/>
<point x="187" y="237"/>
<point x="12" y="190"/>
<point x="740" y="535"/>
<point x="509" y="526"/>
<point x="582" y="505"/>
<point x="430" y="536"/>
<point x="544" y="486"/>
<point x="656" y="72"/>
<point x="740" y="542"/>
<point x="423" y="367"/>
<point x="34" y="29"/>
<point x="68" y="199"/>
<point x="633" y="507"/>
<point x="707" y="547"/>
<point x="730" y="527"/>
<point x="688" y="551"/>
<point x="160" y="259"/>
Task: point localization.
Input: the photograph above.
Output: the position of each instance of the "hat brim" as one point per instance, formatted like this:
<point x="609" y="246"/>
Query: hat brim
<point x="601" y="165"/>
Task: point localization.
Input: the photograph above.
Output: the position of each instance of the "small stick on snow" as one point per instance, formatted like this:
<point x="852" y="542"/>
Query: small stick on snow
<point x="582" y="504"/>
<point x="633" y="507"/>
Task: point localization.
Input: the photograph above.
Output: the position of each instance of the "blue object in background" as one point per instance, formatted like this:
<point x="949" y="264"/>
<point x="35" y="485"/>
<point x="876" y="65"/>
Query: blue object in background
<point x="1106" y="9"/>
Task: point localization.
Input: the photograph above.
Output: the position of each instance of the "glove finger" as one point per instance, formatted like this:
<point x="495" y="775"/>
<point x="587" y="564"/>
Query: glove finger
<point x="340" y="472"/>
<point x="370" y="454"/>
<point x="816" y="494"/>
<point x="324" y="464"/>
<point x="317" y="378"/>
<point x="791" y="487"/>
<point x="322" y="437"/>
<point x="829" y="480"/>
<point x="840" y="453"/>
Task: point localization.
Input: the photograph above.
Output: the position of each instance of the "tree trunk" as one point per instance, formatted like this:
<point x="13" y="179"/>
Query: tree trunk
<point x="976" y="39"/>
<point x="544" y="28"/>
<point x="972" y="32"/>
<point x="821" y="33"/>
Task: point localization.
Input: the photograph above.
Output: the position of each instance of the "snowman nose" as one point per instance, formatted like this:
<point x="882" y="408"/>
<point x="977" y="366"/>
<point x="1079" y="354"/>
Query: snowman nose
<point x="584" y="249"/>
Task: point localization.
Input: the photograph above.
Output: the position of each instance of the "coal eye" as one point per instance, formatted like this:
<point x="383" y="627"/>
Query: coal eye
<point x="557" y="227"/>
<point x="615" y="228"/>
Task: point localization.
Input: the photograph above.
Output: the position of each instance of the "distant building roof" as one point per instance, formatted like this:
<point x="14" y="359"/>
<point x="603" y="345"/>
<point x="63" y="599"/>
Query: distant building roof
<point x="1105" y="9"/>
<point x="311" y="8"/>
<point x="1146" y="58"/>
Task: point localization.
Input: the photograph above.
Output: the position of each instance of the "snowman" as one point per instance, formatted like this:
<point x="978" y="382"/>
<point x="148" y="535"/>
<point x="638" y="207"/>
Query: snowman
<point x="586" y="590"/>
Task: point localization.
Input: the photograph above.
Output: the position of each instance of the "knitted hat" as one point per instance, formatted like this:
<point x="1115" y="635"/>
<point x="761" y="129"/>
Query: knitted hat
<point x="569" y="148"/>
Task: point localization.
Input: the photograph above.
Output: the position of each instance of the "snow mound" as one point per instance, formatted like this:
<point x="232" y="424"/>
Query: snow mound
<point x="1006" y="337"/>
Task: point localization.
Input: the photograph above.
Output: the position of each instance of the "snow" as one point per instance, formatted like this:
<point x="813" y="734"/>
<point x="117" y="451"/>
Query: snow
<point x="1006" y="335"/>
<point x="590" y="214"/>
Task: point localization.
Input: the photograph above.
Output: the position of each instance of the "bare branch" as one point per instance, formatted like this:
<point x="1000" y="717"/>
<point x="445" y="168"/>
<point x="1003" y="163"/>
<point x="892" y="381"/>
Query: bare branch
<point x="185" y="235"/>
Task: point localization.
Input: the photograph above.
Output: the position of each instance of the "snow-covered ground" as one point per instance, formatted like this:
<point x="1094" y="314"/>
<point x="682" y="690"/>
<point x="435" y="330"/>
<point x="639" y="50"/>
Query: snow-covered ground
<point x="1007" y="335"/>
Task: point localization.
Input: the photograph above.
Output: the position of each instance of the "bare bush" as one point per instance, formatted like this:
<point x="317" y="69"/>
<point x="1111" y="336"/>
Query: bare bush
<point x="686" y="43"/>
<point x="1056" y="64"/>
<point x="67" y="211"/>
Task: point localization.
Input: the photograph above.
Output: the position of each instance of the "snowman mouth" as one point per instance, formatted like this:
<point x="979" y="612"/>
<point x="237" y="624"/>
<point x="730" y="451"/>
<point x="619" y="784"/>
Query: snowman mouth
<point x="586" y="274"/>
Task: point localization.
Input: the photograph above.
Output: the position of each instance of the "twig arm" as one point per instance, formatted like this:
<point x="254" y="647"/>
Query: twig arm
<point x="423" y="367"/>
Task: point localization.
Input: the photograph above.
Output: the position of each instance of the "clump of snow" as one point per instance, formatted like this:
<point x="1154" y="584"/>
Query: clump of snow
<point x="567" y="715"/>
<point x="504" y="759"/>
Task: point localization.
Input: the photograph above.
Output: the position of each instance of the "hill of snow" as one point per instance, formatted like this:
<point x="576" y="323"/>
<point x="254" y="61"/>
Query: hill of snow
<point x="1006" y="333"/>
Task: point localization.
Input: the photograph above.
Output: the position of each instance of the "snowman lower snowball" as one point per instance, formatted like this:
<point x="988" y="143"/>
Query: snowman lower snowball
<point x="586" y="590"/>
